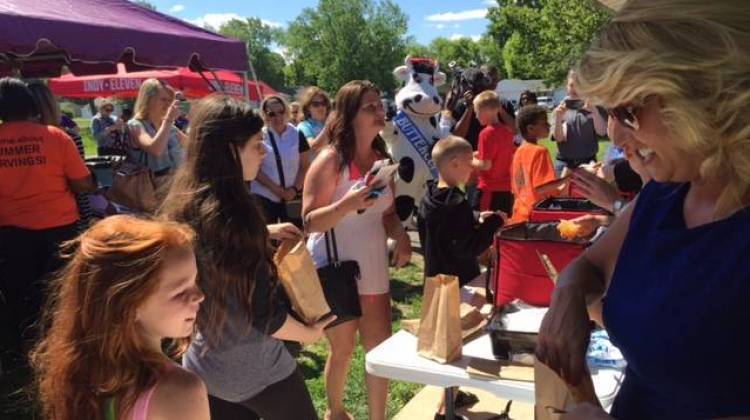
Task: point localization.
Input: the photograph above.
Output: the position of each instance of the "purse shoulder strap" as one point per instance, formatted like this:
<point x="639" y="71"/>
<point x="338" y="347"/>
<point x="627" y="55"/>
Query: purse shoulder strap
<point x="278" y="158"/>
<point x="332" y="251"/>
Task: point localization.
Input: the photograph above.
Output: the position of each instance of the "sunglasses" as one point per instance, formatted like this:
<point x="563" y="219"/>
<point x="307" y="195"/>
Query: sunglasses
<point x="108" y="109"/>
<point x="318" y="103"/>
<point x="272" y="114"/>
<point x="627" y="114"/>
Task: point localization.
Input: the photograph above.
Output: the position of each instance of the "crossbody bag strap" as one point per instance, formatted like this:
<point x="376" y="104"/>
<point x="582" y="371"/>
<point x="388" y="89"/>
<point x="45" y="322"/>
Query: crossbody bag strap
<point x="332" y="251"/>
<point x="278" y="158"/>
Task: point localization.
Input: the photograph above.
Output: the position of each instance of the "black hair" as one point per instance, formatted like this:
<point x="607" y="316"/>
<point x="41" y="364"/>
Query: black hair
<point x="529" y="115"/>
<point x="16" y="101"/>
<point x="529" y="95"/>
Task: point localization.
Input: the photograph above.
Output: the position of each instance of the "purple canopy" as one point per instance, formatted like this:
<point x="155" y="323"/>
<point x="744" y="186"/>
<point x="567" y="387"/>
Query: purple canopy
<point x="91" y="36"/>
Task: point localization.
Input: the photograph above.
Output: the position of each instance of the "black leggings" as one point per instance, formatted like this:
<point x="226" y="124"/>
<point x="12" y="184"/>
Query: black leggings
<point x="27" y="259"/>
<point x="286" y="399"/>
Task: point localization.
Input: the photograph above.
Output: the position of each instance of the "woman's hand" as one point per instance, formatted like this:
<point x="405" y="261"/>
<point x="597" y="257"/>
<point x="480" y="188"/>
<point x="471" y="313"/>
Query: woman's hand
<point x="316" y="331"/>
<point x="357" y="198"/>
<point x="402" y="252"/>
<point x="597" y="190"/>
<point x="284" y="232"/>
<point x="586" y="411"/>
<point x="589" y="223"/>
<point x="172" y="112"/>
<point x="288" y="194"/>
<point x="564" y="335"/>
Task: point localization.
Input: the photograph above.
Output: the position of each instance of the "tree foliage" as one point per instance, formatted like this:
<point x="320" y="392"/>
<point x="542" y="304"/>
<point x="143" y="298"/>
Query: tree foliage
<point x="344" y="40"/>
<point x="145" y="4"/>
<point x="544" y="38"/>
<point x="268" y="65"/>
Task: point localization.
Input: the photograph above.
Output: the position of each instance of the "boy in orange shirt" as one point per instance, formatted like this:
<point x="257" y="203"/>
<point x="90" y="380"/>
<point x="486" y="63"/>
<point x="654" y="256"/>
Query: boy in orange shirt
<point x="532" y="171"/>
<point x="494" y="156"/>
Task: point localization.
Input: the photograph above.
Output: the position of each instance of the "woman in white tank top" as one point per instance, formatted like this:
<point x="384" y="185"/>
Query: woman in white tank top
<point x="335" y="197"/>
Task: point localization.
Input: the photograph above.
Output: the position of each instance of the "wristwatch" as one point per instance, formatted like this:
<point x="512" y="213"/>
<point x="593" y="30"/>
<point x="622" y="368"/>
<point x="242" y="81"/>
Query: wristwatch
<point x="617" y="206"/>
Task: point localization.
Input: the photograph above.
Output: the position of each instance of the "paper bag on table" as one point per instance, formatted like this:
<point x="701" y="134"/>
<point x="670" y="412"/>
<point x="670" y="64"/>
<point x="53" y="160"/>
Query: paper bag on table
<point x="472" y="323"/>
<point x="553" y="396"/>
<point x="439" y="335"/>
<point x="300" y="280"/>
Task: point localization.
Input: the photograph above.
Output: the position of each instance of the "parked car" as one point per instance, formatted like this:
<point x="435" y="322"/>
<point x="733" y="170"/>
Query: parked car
<point x="546" y="102"/>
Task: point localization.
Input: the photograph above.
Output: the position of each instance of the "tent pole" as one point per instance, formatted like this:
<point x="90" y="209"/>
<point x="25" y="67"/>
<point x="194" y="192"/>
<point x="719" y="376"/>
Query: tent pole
<point x="245" y="88"/>
<point x="255" y="77"/>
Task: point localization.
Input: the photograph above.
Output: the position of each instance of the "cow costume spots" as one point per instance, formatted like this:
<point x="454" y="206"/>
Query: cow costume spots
<point x="415" y="130"/>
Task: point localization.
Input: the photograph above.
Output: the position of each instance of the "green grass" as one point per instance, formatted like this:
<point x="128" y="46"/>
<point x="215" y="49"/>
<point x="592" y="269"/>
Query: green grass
<point x="406" y="291"/>
<point x="89" y="144"/>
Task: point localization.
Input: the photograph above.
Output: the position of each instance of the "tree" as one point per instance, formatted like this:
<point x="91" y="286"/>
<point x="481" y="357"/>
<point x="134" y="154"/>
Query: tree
<point x="544" y="38"/>
<point x="344" y="40"/>
<point x="145" y="4"/>
<point x="464" y="52"/>
<point x="268" y="65"/>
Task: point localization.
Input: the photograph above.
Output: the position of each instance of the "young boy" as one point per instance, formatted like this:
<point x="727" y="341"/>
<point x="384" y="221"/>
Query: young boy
<point x="494" y="155"/>
<point x="532" y="170"/>
<point x="451" y="236"/>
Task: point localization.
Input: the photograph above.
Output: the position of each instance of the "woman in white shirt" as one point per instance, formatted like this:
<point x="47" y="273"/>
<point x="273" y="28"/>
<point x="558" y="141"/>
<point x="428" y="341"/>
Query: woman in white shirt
<point x="282" y="172"/>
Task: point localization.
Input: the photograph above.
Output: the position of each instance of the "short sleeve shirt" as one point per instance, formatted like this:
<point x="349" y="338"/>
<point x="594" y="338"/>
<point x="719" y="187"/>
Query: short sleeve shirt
<point x="291" y="144"/>
<point x="532" y="167"/>
<point x="496" y="145"/>
<point x="167" y="161"/>
<point x="36" y="162"/>
<point x="310" y="128"/>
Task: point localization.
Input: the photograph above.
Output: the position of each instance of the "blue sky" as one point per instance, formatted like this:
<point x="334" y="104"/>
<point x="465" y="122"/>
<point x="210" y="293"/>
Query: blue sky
<point x="427" y="19"/>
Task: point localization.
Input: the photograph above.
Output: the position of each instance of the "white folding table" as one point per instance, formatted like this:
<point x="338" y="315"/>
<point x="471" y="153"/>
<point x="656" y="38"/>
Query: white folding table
<point x="396" y="358"/>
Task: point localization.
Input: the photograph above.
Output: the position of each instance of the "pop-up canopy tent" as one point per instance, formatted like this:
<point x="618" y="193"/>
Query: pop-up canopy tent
<point x="38" y="38"/>
<point x="126" y="85"/>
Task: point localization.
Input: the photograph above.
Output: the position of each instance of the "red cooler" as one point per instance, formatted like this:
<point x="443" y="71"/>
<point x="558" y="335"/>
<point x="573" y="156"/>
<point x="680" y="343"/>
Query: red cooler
<point x="553" y="209"/>
<point x="519" y="272"/>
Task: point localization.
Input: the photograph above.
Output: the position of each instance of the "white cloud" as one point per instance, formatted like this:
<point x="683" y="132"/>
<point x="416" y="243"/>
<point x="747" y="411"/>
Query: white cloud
<point x="216" y="20"/>
<point x="272" y="23"/>
<point x="440" y="26"/>
<point x="177" y="8"/>
<point x="456" y="25"/>
<point x="490" y="3"/>
<point x="458" y="16"/>
<point x="474" y="38"/>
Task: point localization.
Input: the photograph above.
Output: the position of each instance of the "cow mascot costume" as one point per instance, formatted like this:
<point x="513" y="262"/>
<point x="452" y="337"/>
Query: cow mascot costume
<point x="415" y="131"/>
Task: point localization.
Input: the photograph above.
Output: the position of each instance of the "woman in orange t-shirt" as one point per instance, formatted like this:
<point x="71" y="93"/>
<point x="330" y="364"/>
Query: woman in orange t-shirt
<point x="40" y="169"/>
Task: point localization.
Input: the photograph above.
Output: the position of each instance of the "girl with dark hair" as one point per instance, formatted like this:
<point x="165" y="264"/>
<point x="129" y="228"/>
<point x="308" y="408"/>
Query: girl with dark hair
<point x="129" y="286"/>
<point x="527" y="98"/>
<point x="238" y="350"/>
<point x="333" y="197"/>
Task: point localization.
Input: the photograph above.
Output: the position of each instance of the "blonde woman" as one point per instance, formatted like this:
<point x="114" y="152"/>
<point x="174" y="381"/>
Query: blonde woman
<point x="292" y="160"/>
<point x="672" y="270"/>
<point x="157" y="142"/>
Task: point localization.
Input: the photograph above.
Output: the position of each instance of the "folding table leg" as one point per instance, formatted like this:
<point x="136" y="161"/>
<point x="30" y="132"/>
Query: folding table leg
<point x="450" y="404"/>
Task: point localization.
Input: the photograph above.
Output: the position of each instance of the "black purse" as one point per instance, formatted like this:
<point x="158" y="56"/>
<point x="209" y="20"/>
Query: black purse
<point x="339" y="281"/>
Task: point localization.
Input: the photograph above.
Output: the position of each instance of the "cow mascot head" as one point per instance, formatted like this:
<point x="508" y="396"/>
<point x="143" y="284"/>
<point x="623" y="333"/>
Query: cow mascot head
<point x="414" y="130"/>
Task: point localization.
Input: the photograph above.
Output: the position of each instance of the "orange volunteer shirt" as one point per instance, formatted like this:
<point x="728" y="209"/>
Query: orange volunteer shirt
<point x="531" y="167"/>
<point x="36" y="161"/>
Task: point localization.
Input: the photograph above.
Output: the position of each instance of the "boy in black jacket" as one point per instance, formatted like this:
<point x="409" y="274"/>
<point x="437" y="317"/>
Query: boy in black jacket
<point x="452" y="238"/>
